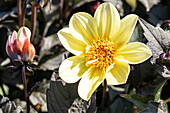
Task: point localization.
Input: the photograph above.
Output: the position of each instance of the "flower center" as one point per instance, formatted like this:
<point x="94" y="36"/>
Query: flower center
<point x="101" y="53"/>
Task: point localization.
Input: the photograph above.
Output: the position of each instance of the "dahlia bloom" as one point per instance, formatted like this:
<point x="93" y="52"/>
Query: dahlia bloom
<point x="101" y="49"/>
<point x="18" y="45"/>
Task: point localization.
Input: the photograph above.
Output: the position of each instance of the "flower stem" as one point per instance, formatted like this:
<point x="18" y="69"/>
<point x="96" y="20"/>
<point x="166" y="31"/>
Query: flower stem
<point x="23" y="13"/>
<point x="50" y="4"/>
<point x="66" y="9"/>
<point x="19" y="12"/>
<point x="104" y="93"/>
<point x="33" y="21"/>
<point x="25" y="88"/>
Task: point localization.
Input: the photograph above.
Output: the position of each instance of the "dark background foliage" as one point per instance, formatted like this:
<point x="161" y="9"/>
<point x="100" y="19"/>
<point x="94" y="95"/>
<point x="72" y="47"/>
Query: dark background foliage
<point x="147" y="88"/>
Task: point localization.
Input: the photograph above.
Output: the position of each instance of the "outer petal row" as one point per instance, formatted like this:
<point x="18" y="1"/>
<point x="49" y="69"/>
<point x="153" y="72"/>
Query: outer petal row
<point x="118" y="74"/>
<point x="9" y="49"/>
<point x="72" y="69"/>
<point x="108" y="20"/>
<point x="134" y="53"/>
<point x="126" y="29"/>
<point x="89" y="83"/>
<point x="72" y="44"/>
<point x="83" y="27"/>
<point x="12" y="48"/>
<point x="28" y="51"/>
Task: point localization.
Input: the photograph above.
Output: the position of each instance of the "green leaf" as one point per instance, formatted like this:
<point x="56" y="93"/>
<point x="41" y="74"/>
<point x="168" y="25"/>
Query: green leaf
<point x="157" y="94"/>
<point x="155" y="107"/>
<point x="63" y="98"/>
<point x="139" y="100"/>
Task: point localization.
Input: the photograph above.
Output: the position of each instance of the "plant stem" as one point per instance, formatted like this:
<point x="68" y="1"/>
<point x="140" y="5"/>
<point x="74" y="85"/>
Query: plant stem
<point x="50" y="4"/>
<point x="104" y="93"/>
<point x="19" y="12"/>
<point x="23" y="13"/>
<point x="25" y="88"/>
<point x="66" y="9"/>
<point x="33" y="21"/>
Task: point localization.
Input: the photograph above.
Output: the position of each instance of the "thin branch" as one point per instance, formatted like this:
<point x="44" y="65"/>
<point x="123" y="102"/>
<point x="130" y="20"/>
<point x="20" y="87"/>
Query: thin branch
<point x="33" y="22"/>
<point x="23" y="13"/>
<point x="19" y="12"/>
<point x="25" y="88"/>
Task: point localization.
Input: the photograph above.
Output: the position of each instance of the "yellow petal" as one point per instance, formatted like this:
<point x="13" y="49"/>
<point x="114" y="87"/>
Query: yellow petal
<point x="134" y="53"/>
<point x="108" y="20"/>
<point x="126" y="29"/>
<point x="118" y="74"/>
<point x="72" y="44"/>
<point x="83" y="27"/>
<point x="88" y="84"/>
<point x="72" y="69"/>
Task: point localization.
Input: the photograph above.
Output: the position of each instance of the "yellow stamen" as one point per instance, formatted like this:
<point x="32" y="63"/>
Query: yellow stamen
<point x="101" y="53"/>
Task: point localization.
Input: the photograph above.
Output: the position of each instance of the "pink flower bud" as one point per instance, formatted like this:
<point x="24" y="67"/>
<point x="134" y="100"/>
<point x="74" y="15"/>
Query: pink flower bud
<point x="18" y="45"/>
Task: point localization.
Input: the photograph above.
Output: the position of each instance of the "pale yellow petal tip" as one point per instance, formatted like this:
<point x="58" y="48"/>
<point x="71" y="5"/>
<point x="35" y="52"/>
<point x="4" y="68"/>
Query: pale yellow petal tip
<point x="63" y="30"/>
<point x="150" y="52"/>
<point x="105" y="5"/>
<point x="140" y="51"/>
<point x="133" y="16"/>
<point x="84" y="97"/>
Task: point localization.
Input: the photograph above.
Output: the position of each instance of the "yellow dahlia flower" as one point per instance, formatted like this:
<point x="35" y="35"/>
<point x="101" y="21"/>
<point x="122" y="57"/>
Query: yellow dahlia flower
<point x="101" y="49"/>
